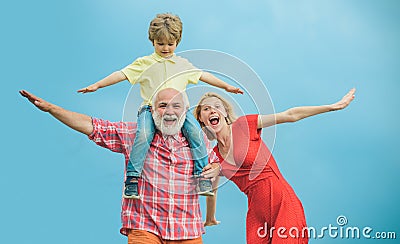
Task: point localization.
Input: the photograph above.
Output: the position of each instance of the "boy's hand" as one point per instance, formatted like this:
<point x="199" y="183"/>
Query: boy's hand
<point x="233" y="89"/>
<point x="92" y="88"/>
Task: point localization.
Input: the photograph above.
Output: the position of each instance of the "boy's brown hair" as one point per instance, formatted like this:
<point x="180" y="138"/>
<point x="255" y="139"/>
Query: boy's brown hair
<point x="166" y="27"/>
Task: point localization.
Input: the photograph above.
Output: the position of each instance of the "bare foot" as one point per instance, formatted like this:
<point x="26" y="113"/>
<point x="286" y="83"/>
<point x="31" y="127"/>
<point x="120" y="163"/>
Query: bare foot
<point x="211" y="222"/>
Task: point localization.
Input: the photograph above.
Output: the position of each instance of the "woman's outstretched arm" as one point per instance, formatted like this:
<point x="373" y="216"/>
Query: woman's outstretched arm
<point x="298" y="113"/>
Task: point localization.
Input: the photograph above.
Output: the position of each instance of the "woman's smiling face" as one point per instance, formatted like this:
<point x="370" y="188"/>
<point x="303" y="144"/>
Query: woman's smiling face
<point x="213" y="113"/>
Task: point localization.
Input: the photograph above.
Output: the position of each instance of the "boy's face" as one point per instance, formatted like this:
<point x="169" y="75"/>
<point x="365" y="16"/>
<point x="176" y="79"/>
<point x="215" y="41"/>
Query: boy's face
<point x="164" y="48"/>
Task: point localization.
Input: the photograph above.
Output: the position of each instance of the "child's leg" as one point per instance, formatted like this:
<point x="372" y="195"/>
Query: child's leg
<point x="144" y="136"/>
<point x="193" y="133"/>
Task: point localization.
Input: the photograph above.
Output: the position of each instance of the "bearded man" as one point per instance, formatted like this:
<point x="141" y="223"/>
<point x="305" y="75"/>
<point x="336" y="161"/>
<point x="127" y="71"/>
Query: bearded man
<point x="169" y="210"/>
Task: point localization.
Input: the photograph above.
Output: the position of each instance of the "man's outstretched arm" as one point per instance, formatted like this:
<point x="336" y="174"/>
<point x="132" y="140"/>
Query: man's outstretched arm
<point x="78" y="122"/>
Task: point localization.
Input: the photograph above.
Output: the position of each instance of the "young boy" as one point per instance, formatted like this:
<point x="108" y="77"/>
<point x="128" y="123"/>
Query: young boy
<point x="162" y="69"/>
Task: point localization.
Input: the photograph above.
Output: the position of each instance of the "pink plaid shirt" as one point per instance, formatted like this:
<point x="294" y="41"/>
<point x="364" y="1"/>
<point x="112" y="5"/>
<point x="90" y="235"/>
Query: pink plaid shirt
<point x="169" y="205"/>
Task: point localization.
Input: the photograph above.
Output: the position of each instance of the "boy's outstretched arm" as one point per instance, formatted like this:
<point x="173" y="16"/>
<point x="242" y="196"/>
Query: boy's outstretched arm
<point x="112" y="79"/>
<point x="214" y="81"/>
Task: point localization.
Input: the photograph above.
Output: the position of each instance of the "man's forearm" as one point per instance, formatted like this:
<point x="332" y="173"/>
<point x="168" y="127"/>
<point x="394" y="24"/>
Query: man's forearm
<point x="76" y="121"/>
<point x="79" y="122"/>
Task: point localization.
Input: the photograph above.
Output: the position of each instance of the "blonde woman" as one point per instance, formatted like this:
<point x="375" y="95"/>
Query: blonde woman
<point x="246" y="160"/>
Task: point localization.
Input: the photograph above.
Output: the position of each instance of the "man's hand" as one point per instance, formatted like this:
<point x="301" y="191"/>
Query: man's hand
<point x="233" y="89"/>
<point x="211" y="171"/>
<point x="92" y="88"/>
<point x="37" y="101"/>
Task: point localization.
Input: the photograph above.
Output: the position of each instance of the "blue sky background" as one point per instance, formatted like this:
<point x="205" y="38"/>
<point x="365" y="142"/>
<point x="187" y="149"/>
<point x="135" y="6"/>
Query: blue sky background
<point x="57" y="186"/>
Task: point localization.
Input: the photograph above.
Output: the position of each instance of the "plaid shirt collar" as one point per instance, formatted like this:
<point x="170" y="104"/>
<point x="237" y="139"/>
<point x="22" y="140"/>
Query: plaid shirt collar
<point x="177" y="137"/>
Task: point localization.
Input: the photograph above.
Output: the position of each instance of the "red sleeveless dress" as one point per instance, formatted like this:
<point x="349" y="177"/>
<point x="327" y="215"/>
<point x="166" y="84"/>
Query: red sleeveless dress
<point x="275" y="214"/>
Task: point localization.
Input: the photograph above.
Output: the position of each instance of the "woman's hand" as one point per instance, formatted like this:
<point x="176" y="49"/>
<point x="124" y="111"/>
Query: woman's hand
<point x="211" y="171"/>
<point x="346" y="100"/>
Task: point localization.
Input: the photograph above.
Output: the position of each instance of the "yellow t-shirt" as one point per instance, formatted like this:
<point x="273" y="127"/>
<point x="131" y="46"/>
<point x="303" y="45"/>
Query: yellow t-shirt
<point x="154" y="73"/>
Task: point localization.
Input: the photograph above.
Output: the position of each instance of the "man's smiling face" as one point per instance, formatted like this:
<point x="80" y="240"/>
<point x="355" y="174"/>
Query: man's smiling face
<point x="169" y="111"/>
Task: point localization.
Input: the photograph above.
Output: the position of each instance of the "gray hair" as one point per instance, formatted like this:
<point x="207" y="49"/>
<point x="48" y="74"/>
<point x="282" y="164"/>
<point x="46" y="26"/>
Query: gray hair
<point x="182" y="93"/>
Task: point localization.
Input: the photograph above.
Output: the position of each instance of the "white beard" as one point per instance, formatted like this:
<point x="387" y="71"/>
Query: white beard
<point x="168" y="130"/>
